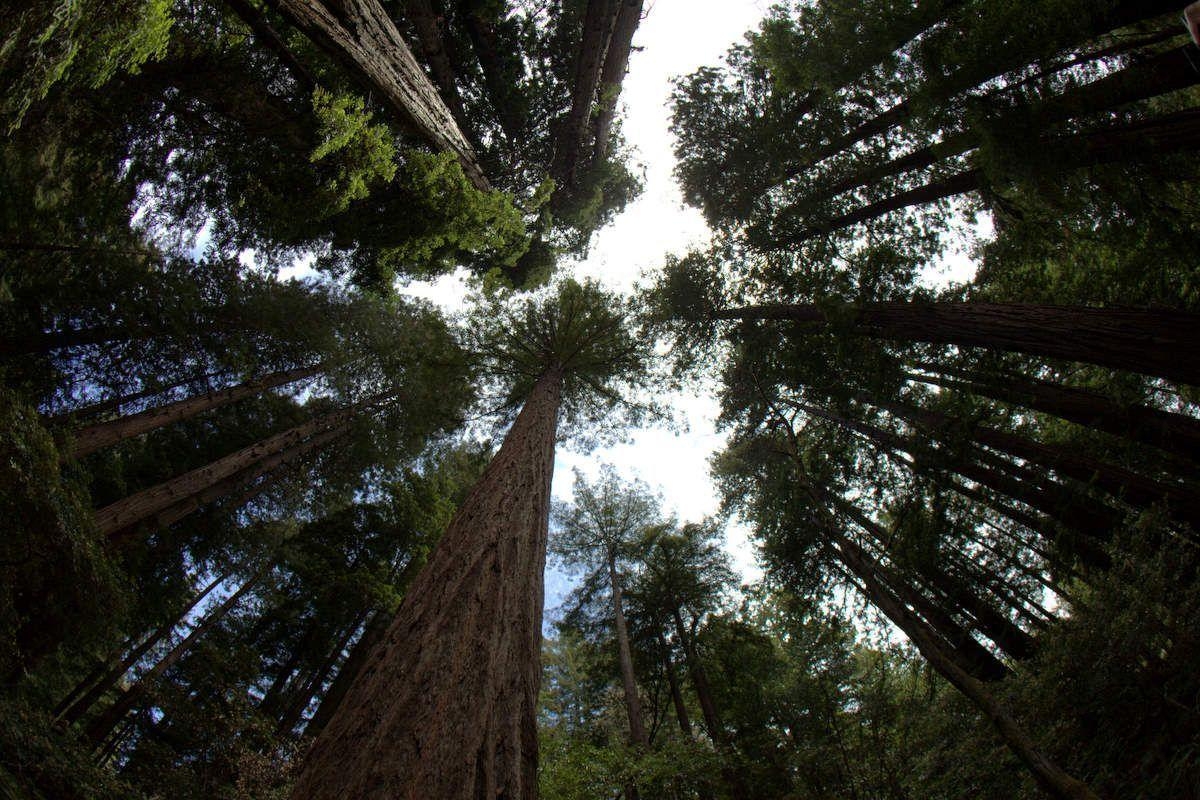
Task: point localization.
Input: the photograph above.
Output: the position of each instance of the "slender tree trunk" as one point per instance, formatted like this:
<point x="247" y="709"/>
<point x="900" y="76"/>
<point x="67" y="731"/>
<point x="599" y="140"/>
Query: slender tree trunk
<point x="1137" y="490"/>
<point x="612" y="75"/>
<point x="1159" y="75"/>
<point x="1156" y="342"/>
<point x="1015" y="642"/>
<point x="1173" y="433"/>
<point x="372" y="634"/>
<point x="633" y="703"/>
<point x="598" y="22"/>
<point x="102" y="726"/>
<point x="966" y="77"/>
<point x="446" y="705"/>
<point x="969" y="654"/>
<point x="73" y="709"/>
<point x="363" y="37"/>
<point x="681" y="712"/>
<point x="114" y="404"/>
<point x="303" y="698"/>
<point x="1145" y="139"/>
<point x="500" y="77"/>
<point x="1049" y="775"/>
<point x="268" y="37"/>
<point x="428" y="23"/>
<point x="105" y="434"/>
<point x="144" y="505"/>
<point x="708" y="709"/>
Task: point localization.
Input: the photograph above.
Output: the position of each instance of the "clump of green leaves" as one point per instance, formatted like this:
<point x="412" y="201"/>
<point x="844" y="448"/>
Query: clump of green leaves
<point x="68" y="41"/>
<point x="54" y="573"/>
<point x="449" y="217"/>
<point x="356" y="152"/>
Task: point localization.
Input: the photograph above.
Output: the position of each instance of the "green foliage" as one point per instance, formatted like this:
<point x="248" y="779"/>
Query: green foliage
<point x="49" y="42"/>
<point x="57" y="579"/>
<point x="358" y="151"/>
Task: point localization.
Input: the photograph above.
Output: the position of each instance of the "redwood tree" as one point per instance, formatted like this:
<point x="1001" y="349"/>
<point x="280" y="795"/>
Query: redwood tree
<point x="446" y="705"/>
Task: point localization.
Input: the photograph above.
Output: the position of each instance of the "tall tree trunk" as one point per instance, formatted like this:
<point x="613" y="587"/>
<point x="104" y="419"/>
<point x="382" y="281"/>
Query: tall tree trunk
<point x="303" y="697"/>
<point x="633" y="703"/>
<point x="708" y="709"/>
<point x="1143" y="139"/>
<point x="428" y="22"/>
<point x="612" y="75"/>
<point x="115" y="403"/>
<point x="268" y="37"/>
<point x="144" y="505"/>
<point x="361" y="35"/>
<point x="500" y="77"/>
<point x="446" y="706"/>
<point x="1173" y="433"/>
<point x="681" y="712"/>
<point x="965" y="77"/>
<point x="1159" y="75"/>
<point x="1049" y="775"/>
<point x="962" y="647"/>
<point x="1156" y="342"/>
<point x="101" y="727"/>
<point x="1137" y="490"/>
<point x="372" y="634"/>
<point x="598" y="22"/>
<point x="73" y="708"/>
<point x="105" y="434"/>
<point x="1015" y="642"/>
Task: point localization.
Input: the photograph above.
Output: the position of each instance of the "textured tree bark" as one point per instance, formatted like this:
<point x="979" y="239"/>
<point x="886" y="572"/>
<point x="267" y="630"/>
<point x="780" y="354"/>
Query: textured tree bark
<point x="99" y="729"/>
<point x="446" y="705"/>
<point x="1162" y="343"/>
<point x="72" y="708"/>
<point x="105" y="434"/>
<point x="612" y="75"/>
<point x="181" y="490"/>
<point x="1173" y="433"/>
<point x="363" y="37"/>
<point x="598" y="22"/>
<point x="1049" y="775"/>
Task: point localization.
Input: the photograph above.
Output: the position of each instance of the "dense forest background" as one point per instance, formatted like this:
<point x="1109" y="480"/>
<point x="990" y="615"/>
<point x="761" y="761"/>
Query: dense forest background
<point x="283" y="538"/>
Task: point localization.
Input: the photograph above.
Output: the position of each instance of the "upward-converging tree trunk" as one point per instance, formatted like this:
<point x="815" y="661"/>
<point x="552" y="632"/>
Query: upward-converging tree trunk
<point x="100" y="728"/>
<point x="446" y="706"/>
<point x="105" y="434"/>
<point x="362" y="35"/>
<point x="633" y="703"/>
<point x="148" y="503"/>
<point x="708" y="707"/>
<point x="598" y="22"/>
<point x="1156" y="342"/>
<point x="1174" y="433"/>
<point x="1051" y="777"/>
<point x="616" y="61"/>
